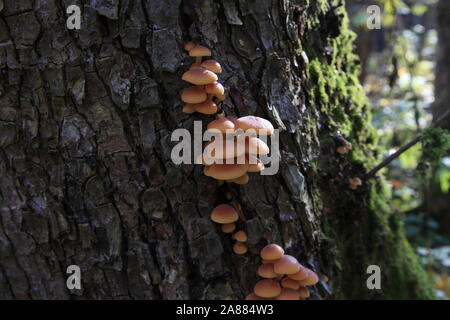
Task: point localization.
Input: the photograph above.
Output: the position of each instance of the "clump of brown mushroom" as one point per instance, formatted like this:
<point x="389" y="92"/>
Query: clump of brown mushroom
<point x="226" y="215"/>
<point x="284" y="278"/>
<point x="236" y="153"/>
<point x="343" y="146"/>
<point x="354" y="183"/>
<point x="206" y="94"/>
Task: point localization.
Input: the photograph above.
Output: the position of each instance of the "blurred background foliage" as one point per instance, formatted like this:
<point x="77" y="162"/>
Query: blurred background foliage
<point x="399" y="74"/>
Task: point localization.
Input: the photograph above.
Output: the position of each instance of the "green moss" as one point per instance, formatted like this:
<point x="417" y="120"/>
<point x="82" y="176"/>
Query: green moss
<point x="334" y="90"/>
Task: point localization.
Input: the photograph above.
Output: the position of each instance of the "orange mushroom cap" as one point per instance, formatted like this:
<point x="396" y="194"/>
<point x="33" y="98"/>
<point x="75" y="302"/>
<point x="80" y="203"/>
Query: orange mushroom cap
<point x="188" y="46"/>
<point x="224" y="149"/>
<point x="240" y="236"/>
<point x="215" y="89"/>
<point x="288" y="294"/>
<point x="224" y="214"/>
<point x="199" y="76"/>
<point x="267" y="288"/>
<point x="311" y="280"/>
<point x="228" y="227"/>
<point x="206" y="107"/>
<point x="253" y="296"/>
<point x="241" y="180"/>
<point x="199" y="51"/>
<point x="266" y="271"/>
<point x="254" y="145"/>
<point x="287" y="265"/>
<point x="222" y="125"/>
<point x="240" y="248"/>
<point x="212" y="65"/>
<point x="193" y="95"/>
<point x="262" y="126"/>
<point x="254" y="164"/>
<point x="302" y="274"/>
<point x="189" y="108"/>
<point x="290" y="283"/>
<point x="272" y="252"/>
<point x="226" y="171"/>
<point x="304" y="292"/>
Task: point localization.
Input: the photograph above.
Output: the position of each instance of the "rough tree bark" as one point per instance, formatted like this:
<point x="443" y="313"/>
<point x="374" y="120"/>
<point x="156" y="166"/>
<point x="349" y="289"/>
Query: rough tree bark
<point x="85" y="124"/>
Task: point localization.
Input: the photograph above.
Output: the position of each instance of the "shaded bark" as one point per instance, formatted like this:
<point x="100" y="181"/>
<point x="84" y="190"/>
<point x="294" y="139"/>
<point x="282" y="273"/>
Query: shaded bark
<point x="437" y="202"/>
<point x="85" y="124"/>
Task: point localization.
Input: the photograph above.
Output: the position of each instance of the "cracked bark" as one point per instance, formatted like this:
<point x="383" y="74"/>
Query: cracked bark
<point x="85" y="124"/>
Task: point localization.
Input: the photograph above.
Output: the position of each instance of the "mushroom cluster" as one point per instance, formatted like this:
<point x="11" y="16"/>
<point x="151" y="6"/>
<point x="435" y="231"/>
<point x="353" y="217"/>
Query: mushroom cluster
<point x="234" y="151"/>
<point x="206" y="94"/>
<point x="284" y="278"/>
<point x="226" y="215"/>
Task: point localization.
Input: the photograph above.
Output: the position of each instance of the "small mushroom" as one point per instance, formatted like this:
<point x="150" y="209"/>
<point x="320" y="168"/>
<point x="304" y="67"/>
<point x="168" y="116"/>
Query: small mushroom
<point x="290" y="283"/>
<point x="254" y="164"/>
<point x="267" y="288"/>
<point x="215" y="89"/>
<point x="224" y="149"/>
<point x="304" y="292"/>
<point x="272" y="252"/>
<point x="260" y="125"/>
<point x="212" y="65"/>
<point x="206" y="107"/>
<point x="253" y="296"/>
<point x="198" y="52"/>
<point x="222" y="125"/>
<point x="224" y="214"/>
<point x="266" y="271"/>
<point x="354" y="183"/>
<point x="226" y="171"/>
<point x="194" y="95"/>
<point x="228" y="228"/>
<point x="188" y="46"/>
<point x="240" y="248"/>
<point x="311" y="280"/>
<point x="254" y="145"/>
<point x="189" y="108"/>
<point x="300" y="275"/>
<point x="199" y="76"/>
<point x="288" y="294"/>
<point x="240" y="236"/>
<point x="286" y="265"/>
<point x="241" y="180"/>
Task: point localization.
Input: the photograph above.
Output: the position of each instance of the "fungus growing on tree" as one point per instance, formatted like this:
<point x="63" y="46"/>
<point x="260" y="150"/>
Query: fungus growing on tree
<point x="267" y="288"/>
<point x="228" y="227"/>
<point x="354" y="183"/>
<point x="199" y="76"/>
<point x="240" y="236"/>
<point x="285" y="277"/>
<point x="199" y="52"/>
<point x="224" y="214"/>
<point x="272" y="252"/>
<point x="266" y="271"/>
<point x="288" y="294"/>
<point x="212" y="65"/>
<point x="286" y="265"/>
<point x="194" y="95"/>
<point x="240" y="248"/>
<point x="260" y="125"/>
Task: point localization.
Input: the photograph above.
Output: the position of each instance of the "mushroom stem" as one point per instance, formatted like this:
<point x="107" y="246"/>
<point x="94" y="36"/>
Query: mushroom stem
<point x="198" y="60"/>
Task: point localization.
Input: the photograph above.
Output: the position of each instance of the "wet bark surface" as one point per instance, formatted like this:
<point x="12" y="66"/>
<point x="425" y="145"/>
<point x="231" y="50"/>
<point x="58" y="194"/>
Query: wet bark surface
<point x="85" y="124"/>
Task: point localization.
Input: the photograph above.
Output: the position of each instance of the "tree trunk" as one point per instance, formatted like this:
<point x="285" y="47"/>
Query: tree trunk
<point x="87" y="179"/>
<point x="437" y="200"/>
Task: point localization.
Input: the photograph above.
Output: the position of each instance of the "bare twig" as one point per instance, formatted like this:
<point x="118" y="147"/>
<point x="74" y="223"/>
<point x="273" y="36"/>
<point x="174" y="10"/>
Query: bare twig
<point x="393" y="156"/>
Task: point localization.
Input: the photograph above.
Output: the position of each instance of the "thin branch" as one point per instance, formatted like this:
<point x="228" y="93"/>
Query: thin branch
<point x="395" y="155"/>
